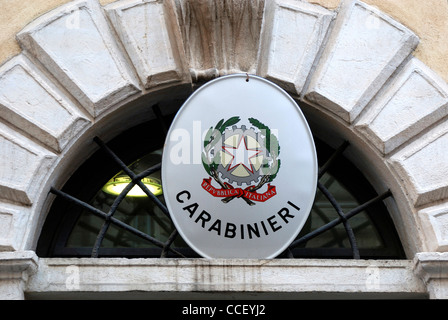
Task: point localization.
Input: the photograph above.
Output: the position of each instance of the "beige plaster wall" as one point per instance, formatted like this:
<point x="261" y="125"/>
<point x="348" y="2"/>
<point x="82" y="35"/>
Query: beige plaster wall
<point x="16" y="14"/>
<point x="428" y="19"/>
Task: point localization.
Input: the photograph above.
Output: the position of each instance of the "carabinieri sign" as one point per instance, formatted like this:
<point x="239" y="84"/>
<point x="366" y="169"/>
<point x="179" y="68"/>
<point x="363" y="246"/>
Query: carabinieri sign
<point x="239" y="169"/>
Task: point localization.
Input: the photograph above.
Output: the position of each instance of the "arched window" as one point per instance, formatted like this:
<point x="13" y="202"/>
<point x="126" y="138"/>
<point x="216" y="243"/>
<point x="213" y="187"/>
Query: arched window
<point x="90" y="217"/>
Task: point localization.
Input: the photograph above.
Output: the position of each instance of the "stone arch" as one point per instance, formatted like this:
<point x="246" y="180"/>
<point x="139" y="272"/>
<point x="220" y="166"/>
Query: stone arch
<point x="86" y="66"/>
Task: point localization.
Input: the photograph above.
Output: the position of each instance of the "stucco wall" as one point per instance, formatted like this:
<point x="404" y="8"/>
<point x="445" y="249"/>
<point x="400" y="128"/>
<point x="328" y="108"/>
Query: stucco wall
<point x="15" y="15"/>
<point x="428" y="19"/>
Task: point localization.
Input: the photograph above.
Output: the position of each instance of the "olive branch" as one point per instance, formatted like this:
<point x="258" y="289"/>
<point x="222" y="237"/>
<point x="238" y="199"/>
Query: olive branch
<point x="210" y="160"/>
<point x="269" y="168"/>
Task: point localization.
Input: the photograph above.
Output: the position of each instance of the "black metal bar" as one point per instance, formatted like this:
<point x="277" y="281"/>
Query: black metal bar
<point x="333" y="157"/>
<point x="99" y="239"/>
<point x="322" y="214"/>
<point x="106" y="224"/>
<point x="337" y="221"/>
<point x="149" y="171"/>
<point x="118" y="200"/>
<point x="166" y="246"/>
<point x="113" y="220"/>
<point x="133" y="176"/>
<point x="367" y="204"/>
<point x="168" y="243"/>
<point x="347" y="226"/>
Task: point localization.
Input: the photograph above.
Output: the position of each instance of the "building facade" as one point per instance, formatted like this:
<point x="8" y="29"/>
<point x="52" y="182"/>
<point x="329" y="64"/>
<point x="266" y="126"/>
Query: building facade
<point x="88" y="69"/>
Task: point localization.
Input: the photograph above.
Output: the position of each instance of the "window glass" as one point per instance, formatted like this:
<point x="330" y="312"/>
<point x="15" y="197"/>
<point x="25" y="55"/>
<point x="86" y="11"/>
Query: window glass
<point x="136" y="210"/>
<point x="71" y="231"/>
<point x="323" y="212"/>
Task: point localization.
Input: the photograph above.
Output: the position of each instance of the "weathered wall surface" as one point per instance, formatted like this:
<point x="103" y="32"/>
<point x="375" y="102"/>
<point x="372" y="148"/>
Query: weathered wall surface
<point x="428" y="19"/>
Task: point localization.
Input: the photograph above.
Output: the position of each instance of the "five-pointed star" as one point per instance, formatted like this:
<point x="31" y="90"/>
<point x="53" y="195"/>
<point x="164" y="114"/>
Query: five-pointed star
<point x="241" y="155"/>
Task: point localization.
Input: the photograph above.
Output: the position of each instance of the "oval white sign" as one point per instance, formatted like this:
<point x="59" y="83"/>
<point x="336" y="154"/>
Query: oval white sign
<point x="239" y="169"/>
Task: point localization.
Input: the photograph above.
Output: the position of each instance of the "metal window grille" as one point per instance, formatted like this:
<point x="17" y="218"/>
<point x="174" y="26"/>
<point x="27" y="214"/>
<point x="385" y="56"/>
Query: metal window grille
<point x="108" y="217"/>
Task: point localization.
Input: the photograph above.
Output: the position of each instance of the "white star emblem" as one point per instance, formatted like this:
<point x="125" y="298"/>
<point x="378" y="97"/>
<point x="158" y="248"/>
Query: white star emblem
<point x="241" y="155"/>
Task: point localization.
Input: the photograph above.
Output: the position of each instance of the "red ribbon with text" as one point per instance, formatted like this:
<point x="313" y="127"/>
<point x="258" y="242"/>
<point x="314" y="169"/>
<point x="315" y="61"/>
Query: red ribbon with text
<point x="238" y="192"/>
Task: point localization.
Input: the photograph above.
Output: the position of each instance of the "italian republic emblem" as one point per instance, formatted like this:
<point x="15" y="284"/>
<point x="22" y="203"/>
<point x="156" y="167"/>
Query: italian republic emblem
<point x="241" y="161"/>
